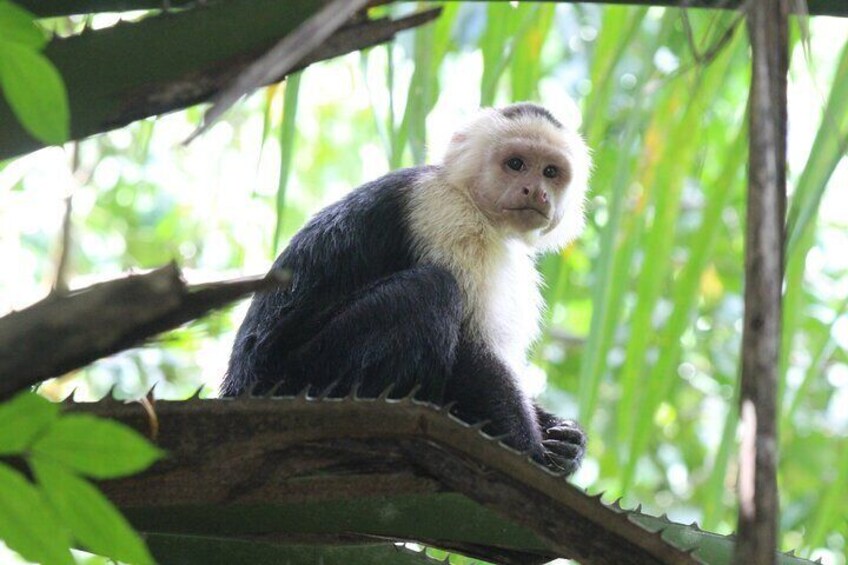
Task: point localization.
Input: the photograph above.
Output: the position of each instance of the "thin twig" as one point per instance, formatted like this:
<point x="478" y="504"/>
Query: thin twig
<point x="702" y="59"/>
<point x="60" y="279"/>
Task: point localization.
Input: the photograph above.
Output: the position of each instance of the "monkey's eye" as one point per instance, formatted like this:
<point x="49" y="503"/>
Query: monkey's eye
<point x="551" y="172"/>
<point x="515" y="164"/>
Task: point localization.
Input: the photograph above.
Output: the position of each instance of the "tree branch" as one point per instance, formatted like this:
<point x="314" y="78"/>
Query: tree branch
<point x="66" y="331"/>
<point x="314" y="469"/>
<point x="164" y="63"/>
<point x="766" y="213"/>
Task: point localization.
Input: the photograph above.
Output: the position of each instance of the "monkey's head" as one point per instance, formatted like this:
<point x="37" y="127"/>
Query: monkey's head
<point x="525" y="171"/>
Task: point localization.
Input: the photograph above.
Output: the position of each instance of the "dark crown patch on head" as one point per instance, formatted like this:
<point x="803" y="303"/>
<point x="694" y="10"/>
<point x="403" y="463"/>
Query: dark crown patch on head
<point x="528" y="109"/>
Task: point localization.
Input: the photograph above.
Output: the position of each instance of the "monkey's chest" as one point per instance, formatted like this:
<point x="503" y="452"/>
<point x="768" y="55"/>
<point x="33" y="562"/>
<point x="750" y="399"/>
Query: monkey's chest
<point x="502" y="306"/>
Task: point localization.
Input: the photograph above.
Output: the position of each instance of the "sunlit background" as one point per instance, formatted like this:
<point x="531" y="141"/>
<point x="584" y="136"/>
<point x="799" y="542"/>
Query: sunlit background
<point x="644" y="311"/>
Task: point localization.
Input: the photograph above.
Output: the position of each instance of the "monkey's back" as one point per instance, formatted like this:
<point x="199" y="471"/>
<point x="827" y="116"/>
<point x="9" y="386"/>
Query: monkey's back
<point x="347" y="246"/>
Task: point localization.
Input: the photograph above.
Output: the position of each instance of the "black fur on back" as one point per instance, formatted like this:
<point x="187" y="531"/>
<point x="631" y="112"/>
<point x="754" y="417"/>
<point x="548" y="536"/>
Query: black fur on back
<point x="345" y="247"/>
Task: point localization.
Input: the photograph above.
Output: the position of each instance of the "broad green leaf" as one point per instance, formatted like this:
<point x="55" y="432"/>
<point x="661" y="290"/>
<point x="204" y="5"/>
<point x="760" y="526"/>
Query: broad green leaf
<point x="92" y="519"/>
<point x="22" y="418"/>
<point x="35" y="92"/>
<point x="686" y="288"/>
<point x="607" y="295"/>
<point x="829" y="147"/>
<point x="422" y="93"/>
<point x="96" y="447"/>
<point x="27" y="525"/>
<point x="18" y="26"/>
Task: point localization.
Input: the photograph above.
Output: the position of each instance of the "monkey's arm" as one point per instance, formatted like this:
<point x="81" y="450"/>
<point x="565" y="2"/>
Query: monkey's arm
<point x="485" y="389"/>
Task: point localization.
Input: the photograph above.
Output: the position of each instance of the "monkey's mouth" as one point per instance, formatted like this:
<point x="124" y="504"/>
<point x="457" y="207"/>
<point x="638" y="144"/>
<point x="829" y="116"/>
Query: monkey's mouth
<point x="529" y="209"/>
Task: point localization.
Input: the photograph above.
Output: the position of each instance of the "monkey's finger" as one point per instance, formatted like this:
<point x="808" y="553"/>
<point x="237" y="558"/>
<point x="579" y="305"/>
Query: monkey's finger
<point x="567" y="450"/>
<point x="559" y="463"/>
<point x="568" y="433"/>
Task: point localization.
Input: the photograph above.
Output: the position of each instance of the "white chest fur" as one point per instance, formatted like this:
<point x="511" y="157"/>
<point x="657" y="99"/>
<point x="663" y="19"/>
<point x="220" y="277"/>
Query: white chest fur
<point x="504" y="302"/>
<point x="499" y="280"/>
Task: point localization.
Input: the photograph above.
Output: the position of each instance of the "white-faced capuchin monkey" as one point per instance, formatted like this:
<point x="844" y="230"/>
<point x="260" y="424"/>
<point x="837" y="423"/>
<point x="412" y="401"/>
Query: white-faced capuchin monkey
<point x="426" y="277"/>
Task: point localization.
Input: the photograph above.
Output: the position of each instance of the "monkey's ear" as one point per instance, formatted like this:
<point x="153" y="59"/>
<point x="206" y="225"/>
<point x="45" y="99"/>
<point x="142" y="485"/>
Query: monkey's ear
<point x="454" y="153"/>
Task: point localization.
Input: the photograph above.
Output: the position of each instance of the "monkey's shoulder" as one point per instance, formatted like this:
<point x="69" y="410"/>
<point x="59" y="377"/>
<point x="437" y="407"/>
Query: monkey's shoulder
<point x="374" y="207"/>
<point x="359" y="238"/>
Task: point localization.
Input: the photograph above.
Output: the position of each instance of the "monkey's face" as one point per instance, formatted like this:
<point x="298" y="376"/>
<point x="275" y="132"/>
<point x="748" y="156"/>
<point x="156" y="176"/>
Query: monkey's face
<point x="523" y="186"/>
<point x="526" y="173"/>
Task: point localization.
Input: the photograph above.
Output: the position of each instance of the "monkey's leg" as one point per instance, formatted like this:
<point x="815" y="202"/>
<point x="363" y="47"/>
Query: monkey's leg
<point x="485" y="389"/>
<point x="564" y="440"/>
<point x="399" y="331"/>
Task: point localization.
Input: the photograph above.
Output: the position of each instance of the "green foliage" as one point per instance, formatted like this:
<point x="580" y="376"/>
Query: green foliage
<point x="23" y="419"/>
<point x="27" y="524"/>
<point x="830" y="145"/>
<point x="42" y="520"/>
<point x="19" y="27"/>
<point x="32" y="85"/>
<point x="97" y="448"/>
<point x="671" y="173"/>
<point x="92" y="520"/>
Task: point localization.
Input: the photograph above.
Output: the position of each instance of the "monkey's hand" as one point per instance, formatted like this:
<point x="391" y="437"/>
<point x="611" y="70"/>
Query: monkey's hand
<point x="564" y="443"/>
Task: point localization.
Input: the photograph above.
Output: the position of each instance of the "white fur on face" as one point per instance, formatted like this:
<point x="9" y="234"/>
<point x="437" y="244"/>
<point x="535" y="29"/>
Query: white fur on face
<point x="497" y="275"/>
<point x="474" y="145"/>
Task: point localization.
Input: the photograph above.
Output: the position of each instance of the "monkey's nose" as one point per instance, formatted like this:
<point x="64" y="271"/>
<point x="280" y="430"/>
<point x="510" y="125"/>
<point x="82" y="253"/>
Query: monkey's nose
<point x="539" y="194"/>
<point x="537" y="198"/>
